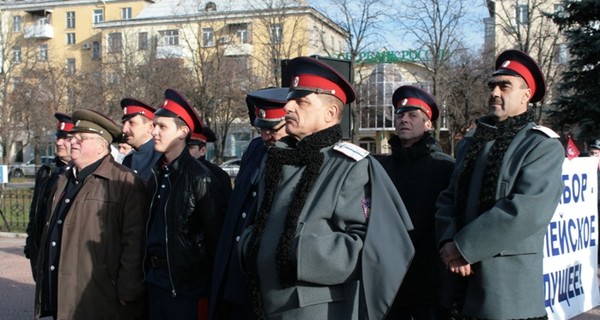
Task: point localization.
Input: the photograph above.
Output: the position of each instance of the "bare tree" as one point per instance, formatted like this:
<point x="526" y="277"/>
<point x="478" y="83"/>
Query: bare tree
<point x="435" y="25"/>
<point x="363" y="20"/>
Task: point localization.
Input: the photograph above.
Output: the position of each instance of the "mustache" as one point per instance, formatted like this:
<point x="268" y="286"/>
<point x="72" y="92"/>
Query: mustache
<point x="496" y="101"/>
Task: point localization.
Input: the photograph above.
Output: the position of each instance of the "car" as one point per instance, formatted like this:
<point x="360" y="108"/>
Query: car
<point x="28" y="168"/>
<point x="232" y="167"/>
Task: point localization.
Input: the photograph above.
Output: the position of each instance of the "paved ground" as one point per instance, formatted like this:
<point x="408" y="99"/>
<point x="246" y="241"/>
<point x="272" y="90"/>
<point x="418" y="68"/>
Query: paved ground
<point x="17" y="287"/>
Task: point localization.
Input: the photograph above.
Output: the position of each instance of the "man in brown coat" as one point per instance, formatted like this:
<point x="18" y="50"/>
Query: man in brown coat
<point x="90" y="260"/>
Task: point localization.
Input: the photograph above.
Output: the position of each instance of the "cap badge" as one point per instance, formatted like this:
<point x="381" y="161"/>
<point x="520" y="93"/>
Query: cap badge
<point x="404" y="102"/>
<point x="262" y="113"/>
<point x="125" y="110"/>
<point x="165" y="103"/>
<point x="505" y="63"/>
<point x="62" y="126"/>
<point x="77" y="123"/>
<point x="295" y="82"/>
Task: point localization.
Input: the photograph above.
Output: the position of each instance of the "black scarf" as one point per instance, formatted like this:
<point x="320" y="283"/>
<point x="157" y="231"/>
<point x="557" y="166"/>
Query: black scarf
<point x="502" y="133"/>
<point x="306" y="153"/>
<point x="418" y="150"/>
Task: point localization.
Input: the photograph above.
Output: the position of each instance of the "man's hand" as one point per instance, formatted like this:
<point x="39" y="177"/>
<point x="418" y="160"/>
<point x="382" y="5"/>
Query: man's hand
<point x="454" y="261"/>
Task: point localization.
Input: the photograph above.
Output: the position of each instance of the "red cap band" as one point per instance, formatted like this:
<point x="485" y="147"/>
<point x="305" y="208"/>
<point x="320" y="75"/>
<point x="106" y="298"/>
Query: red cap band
<point x="177" y="109"/>
<point x="64" y="126"/>
<point x="270" y="114"/>
<point x="318" y="84"/>
<point x="414" y="102"/>
<point x="138" y="110"/>
<point x="523" y="71"/>
<point x="199" y="137"/>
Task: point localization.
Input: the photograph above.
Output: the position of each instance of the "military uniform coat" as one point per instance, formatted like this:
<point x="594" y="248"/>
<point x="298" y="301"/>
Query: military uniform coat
<point x="504" y="244"/>
<point x="142" y="161"/>
<point x="420" y="173"/>
<point x="101" y="247"/>
<point x="330" y="238"/>
<point x="228" y="280"/>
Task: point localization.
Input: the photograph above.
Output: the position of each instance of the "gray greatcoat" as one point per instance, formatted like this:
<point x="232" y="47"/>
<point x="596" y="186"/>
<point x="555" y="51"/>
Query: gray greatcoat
<point x="101" y="248"/>
<point x="336" y="258"/>
<point x="504" y="244"/>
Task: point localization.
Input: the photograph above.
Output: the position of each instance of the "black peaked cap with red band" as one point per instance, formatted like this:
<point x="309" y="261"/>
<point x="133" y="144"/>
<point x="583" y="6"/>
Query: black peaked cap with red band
<point x="207" y="135"/>
<point x="518" y="63"/>
<point x="407" y="98"/>
<point x="265" y="106"/>
<point x="309" y="75"/>
<point x="132" y="107"/>
<point x="65" y="124"/>
<point x="177" y="106"/>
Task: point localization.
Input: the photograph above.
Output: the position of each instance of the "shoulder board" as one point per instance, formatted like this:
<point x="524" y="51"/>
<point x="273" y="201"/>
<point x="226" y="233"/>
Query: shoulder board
<point x="351" y="150"/>
<point x="547" y="131"/>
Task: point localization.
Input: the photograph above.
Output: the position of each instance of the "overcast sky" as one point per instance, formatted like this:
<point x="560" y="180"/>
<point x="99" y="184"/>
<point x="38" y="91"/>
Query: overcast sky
<point x="473" y="29"/>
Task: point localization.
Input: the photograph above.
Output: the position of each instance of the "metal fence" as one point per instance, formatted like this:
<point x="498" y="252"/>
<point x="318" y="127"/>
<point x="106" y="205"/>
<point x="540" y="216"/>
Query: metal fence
<point x="14" y="209"/>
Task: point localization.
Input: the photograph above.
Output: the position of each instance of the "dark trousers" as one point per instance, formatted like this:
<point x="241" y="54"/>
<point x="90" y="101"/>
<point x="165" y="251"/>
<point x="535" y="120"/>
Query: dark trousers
<point x="163" y="306"/>
<point x="416" y="312"/>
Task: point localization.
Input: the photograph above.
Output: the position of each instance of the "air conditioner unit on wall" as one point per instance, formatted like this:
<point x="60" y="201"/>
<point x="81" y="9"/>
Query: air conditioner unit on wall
<point x="86" y="46"/>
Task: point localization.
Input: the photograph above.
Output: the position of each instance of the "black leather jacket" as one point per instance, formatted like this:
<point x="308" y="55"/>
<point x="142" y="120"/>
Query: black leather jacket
<point x="193" y="215"/>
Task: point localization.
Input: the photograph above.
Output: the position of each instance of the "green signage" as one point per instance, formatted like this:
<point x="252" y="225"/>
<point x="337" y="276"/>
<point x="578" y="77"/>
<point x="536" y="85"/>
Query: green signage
<point x="391" y="56"/>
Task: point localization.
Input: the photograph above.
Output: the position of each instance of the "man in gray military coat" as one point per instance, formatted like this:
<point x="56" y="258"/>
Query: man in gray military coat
<point x="505" y="188"/>
<point x="330" y="239"/>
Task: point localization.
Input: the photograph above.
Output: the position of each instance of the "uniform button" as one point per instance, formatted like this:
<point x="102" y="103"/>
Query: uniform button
<point x="237" y="239"/>
<point x="158" y="196"/>
<point x="59" y="221"/>
<point x="76" y="182"/>
<point x="67" y="200"/>
<point x="166" y="175"/>
<point x="253" y="193"/>
<point x="243" y="215"/>
<point x="54" y="243"/>
<point x="52" y="268"/>
<point x="135" y="171"/>
<point x="162" y="186"/>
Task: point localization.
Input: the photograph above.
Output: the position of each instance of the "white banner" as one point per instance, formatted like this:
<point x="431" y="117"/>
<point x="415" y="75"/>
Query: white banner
<point x="571" y="243"/>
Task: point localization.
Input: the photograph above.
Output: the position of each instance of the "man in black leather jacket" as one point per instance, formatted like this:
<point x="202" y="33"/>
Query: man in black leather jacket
<point x="45" y="179"/>
<point x="185" y="218"/>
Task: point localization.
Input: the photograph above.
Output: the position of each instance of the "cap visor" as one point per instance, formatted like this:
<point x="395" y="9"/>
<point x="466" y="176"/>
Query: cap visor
<point x="506" y="72"/>
<point x="293" y="94"/>
<point x="165" y="113"/>
<point x="266" y="124"/>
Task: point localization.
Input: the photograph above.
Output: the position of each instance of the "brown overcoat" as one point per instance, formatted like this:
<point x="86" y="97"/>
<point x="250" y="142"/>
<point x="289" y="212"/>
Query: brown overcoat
<point x="101" y="247"/>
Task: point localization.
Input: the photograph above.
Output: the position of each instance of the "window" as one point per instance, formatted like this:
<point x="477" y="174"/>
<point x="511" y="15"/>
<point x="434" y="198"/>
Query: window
<point x="368" y="144"/>
<point x="561" y="53"/>
<point x="276" y="31"/>
<point x="126" y="13"/>
<point x="115" y="42"/>
<point x="207" y="37"/>
<point x="241" y="32"/>
<point x="210" y="6"/>
<point x="522" y="14"/>
<point x="70" y="37"/>
<point x="169" y="37"/>
<point x="43" y="52"/>
<point x="71" y="66"/>
<point x="16" y="25"/>
<point x="332" y="42"/>
<point x="70" y="19"/>
<point x="143" y="41"/>
<point x="16" y="55"/>
<point x="96" y="52"/>
<point x="98" y="15"/>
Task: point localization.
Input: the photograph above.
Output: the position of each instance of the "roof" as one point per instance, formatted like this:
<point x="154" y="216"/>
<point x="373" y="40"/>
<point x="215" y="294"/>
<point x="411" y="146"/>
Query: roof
<point x="179" y="8"/>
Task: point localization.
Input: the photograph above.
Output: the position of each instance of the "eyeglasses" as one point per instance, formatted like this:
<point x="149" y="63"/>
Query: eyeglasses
<point x="273" y="131"/>
<point x="80" y="138"/>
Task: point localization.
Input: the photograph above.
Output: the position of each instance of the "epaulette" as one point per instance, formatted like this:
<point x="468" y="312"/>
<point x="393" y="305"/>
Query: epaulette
<point x="547" y="131"/>
<point x="351" y="150"/>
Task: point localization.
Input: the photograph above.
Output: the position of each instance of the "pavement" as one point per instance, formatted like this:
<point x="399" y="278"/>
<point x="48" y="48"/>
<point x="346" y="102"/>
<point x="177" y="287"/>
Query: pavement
<point x="17" y="288"/>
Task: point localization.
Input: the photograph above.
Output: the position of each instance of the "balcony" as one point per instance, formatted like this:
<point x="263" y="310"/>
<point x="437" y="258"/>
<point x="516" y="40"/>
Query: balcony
<point x="242" y="49"/>
<point x="169" y="52"/>
<point x="39" y="31"/>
